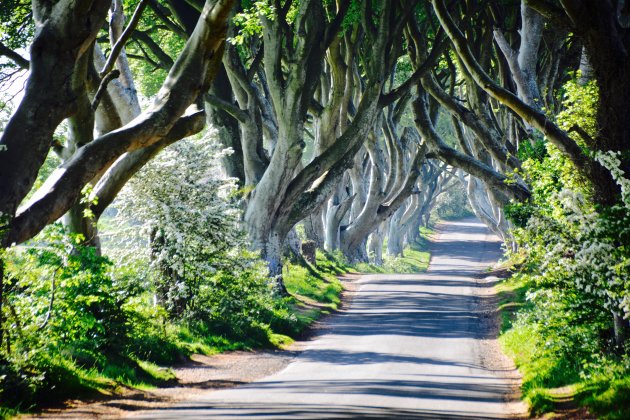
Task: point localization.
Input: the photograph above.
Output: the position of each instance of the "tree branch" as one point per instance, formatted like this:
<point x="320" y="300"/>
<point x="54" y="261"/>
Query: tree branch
<point x="129" y="164"/>
<point x="458" y="159"/>
<point x="120" y="43"/>
<point x="438" y="48"/>
<point x="190" y="75"/>
<point x="532" y="116"/>
<point x="159" y="12"/>
<point x="333" y="29"/>
<point x="230" y="108"/>
<point x="103" y="87"/>
<point x="550" y="11"/>
<point x="165" y="61"/>
<point x="22" y="62"/>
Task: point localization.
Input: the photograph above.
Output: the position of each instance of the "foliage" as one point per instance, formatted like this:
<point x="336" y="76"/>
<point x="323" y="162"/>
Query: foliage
<point x="151" y="71"/>
<point x="574" y="277"/>
<point x="248" y="22"/>
<point x="555" y="346"/>
<point x="580" y="108"/>
<point x="16" y="32"/>
<point x="16" y="27"/>
<point x="66" y="310"/>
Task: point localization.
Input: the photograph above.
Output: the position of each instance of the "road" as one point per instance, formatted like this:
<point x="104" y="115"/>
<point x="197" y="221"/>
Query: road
<point x="408" y="346"/>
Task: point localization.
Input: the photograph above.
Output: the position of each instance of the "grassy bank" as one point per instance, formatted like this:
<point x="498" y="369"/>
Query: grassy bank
<point x="563" y="371"/>
<point x="49" y="373"/>
<point x="415" y="258"/>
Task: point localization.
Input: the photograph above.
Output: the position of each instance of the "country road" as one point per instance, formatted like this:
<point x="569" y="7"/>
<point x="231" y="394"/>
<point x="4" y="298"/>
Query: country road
<point x="408" y="346"/>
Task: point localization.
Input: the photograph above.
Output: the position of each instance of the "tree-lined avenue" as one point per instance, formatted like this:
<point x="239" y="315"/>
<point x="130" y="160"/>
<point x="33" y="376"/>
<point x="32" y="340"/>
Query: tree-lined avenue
<point x="407" y="346"/>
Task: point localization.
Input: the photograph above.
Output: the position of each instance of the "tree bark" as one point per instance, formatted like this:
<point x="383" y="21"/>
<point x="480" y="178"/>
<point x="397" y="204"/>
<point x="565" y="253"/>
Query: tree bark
<point x="375" y="244"/>
<point x="395" y="235"/>
<point x="336" y="212"/>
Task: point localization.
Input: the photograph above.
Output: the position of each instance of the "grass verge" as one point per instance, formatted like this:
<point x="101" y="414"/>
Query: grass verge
<point x="315" y="289"/>
<point x="555" y="382"/>
<point x="415" y="258"/>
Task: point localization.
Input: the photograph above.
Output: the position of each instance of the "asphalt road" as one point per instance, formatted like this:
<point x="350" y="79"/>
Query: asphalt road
<point x="408" y="346"/>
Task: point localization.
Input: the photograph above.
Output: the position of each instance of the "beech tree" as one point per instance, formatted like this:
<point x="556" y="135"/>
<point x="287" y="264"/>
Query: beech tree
<point x="56" y="89"/>
<point x="61" y="70"/>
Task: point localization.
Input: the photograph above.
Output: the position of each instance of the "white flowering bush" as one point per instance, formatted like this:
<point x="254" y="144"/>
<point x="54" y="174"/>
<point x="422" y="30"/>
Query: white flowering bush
<point x="575" y="275"/>
<point x="576" y="268"/>
<point x="201" y="271"/>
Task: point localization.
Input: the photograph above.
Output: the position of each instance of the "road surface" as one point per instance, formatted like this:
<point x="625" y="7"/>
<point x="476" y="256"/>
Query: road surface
<point x="408" y="346"/>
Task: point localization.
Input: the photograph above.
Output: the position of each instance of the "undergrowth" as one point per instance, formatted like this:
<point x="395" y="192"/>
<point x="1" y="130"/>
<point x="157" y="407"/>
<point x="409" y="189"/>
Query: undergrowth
<point x="102" y="331"/>
<point x="558" y="355"/>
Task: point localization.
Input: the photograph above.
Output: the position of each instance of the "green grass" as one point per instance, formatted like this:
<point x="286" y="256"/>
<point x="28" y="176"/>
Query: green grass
<point x="317" y="283"/>
<point x="511" y="297"/>
<point x="315" y="289"/>
<point x="550" y="381"/>
<point x="312" y="284"/>
<point x="609" y="398"/>
<point x="415" y="259"/>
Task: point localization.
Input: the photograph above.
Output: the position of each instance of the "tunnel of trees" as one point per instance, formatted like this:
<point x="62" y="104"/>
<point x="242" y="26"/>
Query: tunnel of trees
<point x="217" y="136"/>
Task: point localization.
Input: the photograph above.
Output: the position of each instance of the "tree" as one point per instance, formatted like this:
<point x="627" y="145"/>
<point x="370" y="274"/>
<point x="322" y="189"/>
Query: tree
<point x="182" y="206"/>
<point x="56" y="89"/>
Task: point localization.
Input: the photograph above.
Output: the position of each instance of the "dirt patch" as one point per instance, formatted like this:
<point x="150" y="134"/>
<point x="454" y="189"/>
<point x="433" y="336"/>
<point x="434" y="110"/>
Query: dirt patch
<point x="200" y="374"/>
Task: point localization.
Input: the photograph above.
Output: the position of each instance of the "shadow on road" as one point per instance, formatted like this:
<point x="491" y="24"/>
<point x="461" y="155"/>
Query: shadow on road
<point x="321" y="411"/>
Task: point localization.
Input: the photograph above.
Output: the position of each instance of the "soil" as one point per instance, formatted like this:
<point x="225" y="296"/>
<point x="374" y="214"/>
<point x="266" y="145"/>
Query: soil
<point x="490" y="354"/>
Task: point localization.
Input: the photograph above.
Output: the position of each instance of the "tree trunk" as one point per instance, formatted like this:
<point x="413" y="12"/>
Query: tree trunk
<point x="334" y="215"/>
<point x="314" y="227"/>
<point x="76" y="222"/>
<point x="622" y="330"/>
<point x="614" y="131"/>
<point x="271" y="252"/>
<point x="227" y="125"/>
<point x="395" y="236"/>
<point x="357" y="253"/>
<point x="50" y="95"/>
<point x="375" y="244"/>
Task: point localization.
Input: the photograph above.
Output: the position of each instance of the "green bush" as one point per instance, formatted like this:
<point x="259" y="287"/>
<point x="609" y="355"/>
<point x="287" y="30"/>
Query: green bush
<point x="576" y="274"/>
